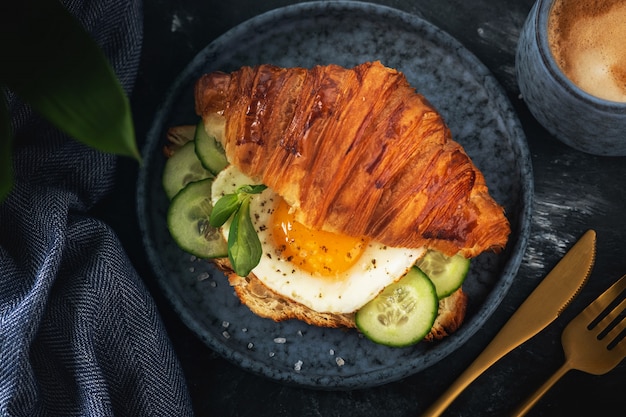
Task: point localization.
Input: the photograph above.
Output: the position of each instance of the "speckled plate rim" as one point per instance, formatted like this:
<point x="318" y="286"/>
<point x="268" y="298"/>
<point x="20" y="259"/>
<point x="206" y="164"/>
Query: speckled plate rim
<point x="517" y="244"/>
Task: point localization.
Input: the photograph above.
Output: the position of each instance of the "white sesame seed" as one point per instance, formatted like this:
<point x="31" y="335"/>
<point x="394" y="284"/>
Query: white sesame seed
<point x="331" y="352"/>
<point x="272" y="354"/>
<point x="340" y="361"/>
<point x="226" y="334"/>
<point x="297" y="366"/>
<point x="225" y="324"/>
<point x="280" y="340"/>
<point x="203" y="276"/>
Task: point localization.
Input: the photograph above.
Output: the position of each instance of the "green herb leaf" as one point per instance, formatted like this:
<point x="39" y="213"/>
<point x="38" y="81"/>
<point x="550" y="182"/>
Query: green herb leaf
<point x="252" y="189"/>
<point x="244" y="246"/>
<point x="223" y="209"/>
<point x="54" y="65"/>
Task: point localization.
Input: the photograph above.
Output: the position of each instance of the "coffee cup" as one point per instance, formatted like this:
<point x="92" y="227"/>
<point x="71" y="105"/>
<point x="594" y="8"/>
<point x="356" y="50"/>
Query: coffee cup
<point x="572" y="80"/>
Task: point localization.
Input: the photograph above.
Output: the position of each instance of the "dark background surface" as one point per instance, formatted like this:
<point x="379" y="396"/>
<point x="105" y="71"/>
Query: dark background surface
<point x="573" y="192"/>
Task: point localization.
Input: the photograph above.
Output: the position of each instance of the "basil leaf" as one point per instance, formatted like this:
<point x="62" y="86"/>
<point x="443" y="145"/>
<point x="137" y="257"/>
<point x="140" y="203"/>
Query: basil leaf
<point x="53" y="64"/>
<point x="6" y="164"/>
<point x="244" y="246"/>
<point x="252" y="189"/>
<point x="223" y="209"/>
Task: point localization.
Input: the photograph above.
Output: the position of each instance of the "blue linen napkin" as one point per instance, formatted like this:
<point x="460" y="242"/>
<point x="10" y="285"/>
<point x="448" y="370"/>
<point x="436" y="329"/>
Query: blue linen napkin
<point x="79" y="332"/>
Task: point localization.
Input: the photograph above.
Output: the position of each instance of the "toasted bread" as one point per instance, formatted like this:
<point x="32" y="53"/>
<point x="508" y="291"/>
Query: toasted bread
<point x="266" y="303"/>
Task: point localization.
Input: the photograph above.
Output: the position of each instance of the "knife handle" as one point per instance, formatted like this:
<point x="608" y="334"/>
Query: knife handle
<point x="536" y="396"/>
<point x="534" y="315"/>
<point x="517" y="330"/>
<point x="492" y="353"/>
<point x="514" y="333"/>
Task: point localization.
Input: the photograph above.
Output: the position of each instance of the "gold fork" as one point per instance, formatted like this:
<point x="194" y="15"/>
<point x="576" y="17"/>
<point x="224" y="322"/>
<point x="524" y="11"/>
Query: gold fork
<point x="593" y="341"/>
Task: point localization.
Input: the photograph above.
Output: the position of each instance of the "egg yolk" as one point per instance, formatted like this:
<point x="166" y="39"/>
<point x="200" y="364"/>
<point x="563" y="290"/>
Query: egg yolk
<point x="319" y="252"/>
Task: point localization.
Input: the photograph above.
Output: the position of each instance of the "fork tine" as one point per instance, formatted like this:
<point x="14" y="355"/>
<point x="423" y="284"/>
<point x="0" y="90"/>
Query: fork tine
<point x="615" y="336"/>
<point x="613" y="326"/>
<point x="596" y="308"/>
<point x="606" y="324"/>
<point x="619" y="346"/>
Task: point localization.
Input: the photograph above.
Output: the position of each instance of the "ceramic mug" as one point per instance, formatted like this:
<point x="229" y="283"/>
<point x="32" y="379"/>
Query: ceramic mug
<point x="576" y="117"/>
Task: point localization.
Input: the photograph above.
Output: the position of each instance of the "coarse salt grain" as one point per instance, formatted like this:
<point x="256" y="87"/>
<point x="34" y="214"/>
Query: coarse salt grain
<point x="225" y="324"/>
<point x="226" y="334"/>
<point x="331" y="352"/>
<point x="297" y="366"/>
<point x="250" y="345"/>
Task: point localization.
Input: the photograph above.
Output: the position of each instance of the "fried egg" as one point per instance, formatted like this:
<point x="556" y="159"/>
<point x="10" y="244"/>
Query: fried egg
<point x="324" y="271"/>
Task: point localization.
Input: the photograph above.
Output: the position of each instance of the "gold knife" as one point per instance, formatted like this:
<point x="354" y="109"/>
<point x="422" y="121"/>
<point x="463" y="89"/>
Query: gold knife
<point x="553" y="294"/>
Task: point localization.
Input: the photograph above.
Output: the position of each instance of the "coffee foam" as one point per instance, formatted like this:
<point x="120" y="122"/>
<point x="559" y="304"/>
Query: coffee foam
<point x="587" y="39"/>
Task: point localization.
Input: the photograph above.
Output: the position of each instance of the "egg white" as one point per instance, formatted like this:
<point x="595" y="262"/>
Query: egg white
<point x="378" y="266"/>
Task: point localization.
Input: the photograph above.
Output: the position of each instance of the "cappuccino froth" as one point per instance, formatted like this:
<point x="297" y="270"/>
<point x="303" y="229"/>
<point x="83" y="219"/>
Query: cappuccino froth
<point x="588" y="41"/>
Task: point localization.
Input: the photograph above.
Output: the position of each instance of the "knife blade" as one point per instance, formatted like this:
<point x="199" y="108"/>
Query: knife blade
<point x="547" y="301"/>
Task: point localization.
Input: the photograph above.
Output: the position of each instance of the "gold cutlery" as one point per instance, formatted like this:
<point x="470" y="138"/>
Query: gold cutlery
<point x="593" y="341"/>
<point x="541" y="308"/>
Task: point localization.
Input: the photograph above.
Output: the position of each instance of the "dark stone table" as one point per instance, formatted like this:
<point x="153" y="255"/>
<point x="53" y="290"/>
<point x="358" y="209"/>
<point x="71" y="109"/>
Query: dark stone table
<point x="573" y="192"/>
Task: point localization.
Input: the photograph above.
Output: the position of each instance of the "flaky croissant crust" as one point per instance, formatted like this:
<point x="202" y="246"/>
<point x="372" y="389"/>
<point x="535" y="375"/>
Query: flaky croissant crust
<point x="355" y="151"/>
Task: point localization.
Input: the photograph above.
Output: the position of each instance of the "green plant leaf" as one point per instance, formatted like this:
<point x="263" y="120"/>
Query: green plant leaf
<point x="223" y="209"/>
<point x="252" y="189"/>
<point x="6" y="164"/>
<point x="54" y="65"/>
<point x="244" y="246"/>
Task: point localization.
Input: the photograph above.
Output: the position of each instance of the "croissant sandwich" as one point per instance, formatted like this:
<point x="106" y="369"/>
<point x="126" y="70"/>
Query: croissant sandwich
<point x="361" y="181"/>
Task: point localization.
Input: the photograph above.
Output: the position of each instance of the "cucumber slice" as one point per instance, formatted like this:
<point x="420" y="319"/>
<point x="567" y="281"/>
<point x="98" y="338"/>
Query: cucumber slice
<point x="402" y="314"/>
<point x="446" y="272"/>
<point x="209" y="150"/>
<point x="188" y="221"/>
<point x="182" y="168"/>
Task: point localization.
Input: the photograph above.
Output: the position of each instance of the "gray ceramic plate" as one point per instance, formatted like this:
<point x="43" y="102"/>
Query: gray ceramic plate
<point x="349" y="33"/>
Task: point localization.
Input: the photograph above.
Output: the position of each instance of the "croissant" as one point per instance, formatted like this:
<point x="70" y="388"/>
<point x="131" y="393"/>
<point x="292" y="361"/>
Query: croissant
<point x="355" y="151"/>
